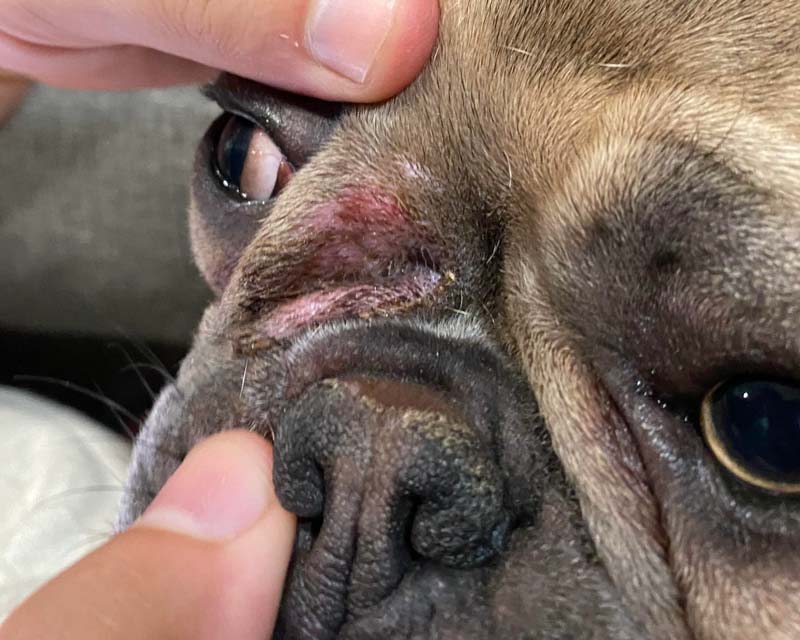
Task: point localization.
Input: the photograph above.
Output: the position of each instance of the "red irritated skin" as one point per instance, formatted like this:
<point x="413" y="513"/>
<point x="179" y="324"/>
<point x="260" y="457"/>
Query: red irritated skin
<point x="357" y="256"/>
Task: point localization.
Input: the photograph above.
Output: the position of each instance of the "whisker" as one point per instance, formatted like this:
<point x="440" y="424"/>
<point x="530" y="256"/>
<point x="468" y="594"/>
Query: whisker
<point x="66" y="384"/>
<point x="244" y="377"/>
<point x="494" y="251"/>
<point x="150" y="355"/>
<point x="616" y="65"/>
<point x="150" y="391"/>
<point x="510" y="171"/>
<point x="460" y="312"/>
<point x="522" y="52"/>
<point x="123" y="425"/>
<point x="75" y="491"/>
<point x="168" y="377"/>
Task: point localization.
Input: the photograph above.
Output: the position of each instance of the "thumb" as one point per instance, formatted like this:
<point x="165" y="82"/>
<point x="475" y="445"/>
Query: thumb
<point x="353" y="50"/>
<point x="12" y="90"/>
<point x="206" y="561"/>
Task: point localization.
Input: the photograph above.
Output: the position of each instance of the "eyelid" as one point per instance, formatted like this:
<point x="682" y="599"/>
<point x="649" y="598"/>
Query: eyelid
<point x="299" y="125"/>
<point x="231" y="106"/>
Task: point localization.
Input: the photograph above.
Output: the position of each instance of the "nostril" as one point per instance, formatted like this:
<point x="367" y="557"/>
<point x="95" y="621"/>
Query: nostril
<point x="305" y="498"/>
<point x="315" y="527"/>
<point x="458" y="542"/>
<point x="461" y="520"/>
<point x="307" y="442"/>
<point x="408" y="533"/>
<point x="299" y="482"/>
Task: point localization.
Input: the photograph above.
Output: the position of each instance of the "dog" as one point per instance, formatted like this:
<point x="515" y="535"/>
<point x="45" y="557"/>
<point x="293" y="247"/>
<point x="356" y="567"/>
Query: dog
<point x="526" y="338"/>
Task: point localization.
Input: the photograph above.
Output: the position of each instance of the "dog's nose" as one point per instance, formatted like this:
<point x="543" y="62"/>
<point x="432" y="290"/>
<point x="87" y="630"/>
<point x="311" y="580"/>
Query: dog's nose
<point x="400" y="447"/>
<point x="398" y="477"/>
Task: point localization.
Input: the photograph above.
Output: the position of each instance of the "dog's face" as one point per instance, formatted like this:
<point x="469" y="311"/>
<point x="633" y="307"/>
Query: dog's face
<point x="593" y="204"/>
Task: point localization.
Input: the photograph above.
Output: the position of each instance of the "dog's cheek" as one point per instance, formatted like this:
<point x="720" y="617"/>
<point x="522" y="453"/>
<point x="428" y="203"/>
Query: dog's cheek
<point x="218" y="241"/>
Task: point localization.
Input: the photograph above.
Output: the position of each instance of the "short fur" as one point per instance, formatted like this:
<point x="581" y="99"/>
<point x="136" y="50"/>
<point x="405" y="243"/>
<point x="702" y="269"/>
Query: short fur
<point x="614" y="188"/>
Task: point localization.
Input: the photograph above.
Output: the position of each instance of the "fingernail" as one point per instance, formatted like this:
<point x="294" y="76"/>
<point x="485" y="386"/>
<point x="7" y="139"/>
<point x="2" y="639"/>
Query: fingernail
<point x="346" y="35"/>
<point x="220" y="490"/>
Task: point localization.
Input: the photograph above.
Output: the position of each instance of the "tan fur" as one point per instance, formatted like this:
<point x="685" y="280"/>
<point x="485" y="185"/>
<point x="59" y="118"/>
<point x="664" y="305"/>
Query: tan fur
<point x="743" y="100"/>
<point x="546" y="102"/>
<point x="617" y="184"/>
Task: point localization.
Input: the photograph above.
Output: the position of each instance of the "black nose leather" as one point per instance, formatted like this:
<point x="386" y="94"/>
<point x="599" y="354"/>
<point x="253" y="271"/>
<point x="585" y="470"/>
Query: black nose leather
<point x="395" y="479"/>
<point x="390" y="473"/>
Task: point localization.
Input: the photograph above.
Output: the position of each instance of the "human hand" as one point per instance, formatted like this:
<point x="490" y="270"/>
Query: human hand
<point x="352" y="50"/>
<point x="206" y="561"/>
<point x="12" y="90"/>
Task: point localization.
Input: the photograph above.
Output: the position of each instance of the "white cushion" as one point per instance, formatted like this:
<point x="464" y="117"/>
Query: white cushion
<point x="61" y="478"/>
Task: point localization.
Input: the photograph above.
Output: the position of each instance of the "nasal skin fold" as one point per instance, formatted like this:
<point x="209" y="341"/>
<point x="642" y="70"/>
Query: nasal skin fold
<point x="356" y="256"/>
<point x="356" y="300"/>
<point x="364" y="230"/>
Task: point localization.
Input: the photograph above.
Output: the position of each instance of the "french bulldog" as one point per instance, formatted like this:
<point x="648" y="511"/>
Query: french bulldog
<point x="526" y="338"/>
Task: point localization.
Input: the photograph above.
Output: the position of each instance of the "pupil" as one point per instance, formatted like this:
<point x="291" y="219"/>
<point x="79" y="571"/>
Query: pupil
<point x="234" y="145"/>
<point x="758" y="422"/>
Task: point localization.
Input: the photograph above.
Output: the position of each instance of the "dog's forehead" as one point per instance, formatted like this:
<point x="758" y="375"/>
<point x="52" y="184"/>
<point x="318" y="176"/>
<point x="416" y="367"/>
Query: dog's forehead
<point x="708" y="37"/>
<point x="518" y="85"/>
<point x="562" y="59"/>
<point x="520" y="94"/>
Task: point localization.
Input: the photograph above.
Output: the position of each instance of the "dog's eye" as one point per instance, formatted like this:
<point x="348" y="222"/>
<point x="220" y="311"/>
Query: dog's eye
<point x="249" y="162"/>
<point x="753" y="428"/>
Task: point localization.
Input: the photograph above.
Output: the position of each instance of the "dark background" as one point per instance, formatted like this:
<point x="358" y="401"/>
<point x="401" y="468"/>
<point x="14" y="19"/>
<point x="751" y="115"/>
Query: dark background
<point x="122" y="374"/>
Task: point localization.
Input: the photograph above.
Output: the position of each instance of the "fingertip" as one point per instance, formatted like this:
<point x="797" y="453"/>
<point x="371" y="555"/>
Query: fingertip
<point x="374" y="48"/>
<point x="220" y="490"/>
<point x="391" y="67"/>
<point x="13" y="89"/>
<point x="405" y="52"/>
<point x="261" y="558"/>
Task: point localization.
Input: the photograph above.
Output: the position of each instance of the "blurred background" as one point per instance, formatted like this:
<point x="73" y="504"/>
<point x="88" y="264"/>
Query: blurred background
<point x="98" y="303"/>
<point x="97" y="287"/>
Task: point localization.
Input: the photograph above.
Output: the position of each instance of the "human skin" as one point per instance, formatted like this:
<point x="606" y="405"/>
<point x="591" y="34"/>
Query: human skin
<point x="206" y="561"/>
<point x="349" y="50"/>
<point x="12" y="91"/>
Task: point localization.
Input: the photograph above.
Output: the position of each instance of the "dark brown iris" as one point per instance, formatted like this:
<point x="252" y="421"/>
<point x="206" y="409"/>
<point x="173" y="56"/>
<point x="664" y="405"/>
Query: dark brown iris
<point x="753" y="428"/>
